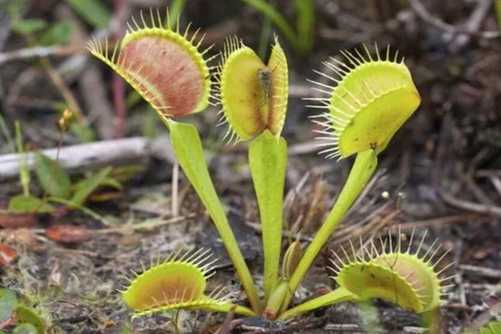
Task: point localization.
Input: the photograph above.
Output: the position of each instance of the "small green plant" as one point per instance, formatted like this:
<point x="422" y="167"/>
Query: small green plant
<point x="16" y="313"/>
<point x="57" y="186"/>
<point x="368" y="101"/>
<point x="493" y="327"/>
<point x="59" y="189"/>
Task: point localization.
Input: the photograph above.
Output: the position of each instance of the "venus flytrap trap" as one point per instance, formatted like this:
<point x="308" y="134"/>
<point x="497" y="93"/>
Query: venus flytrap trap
<point x="366" y="101"/>
<point x="162" y="64"/>
<point x="411" y="278"/>
<point x="370" y="101"/>
<point x="179" y="282"/>
<point x="253" y="96"/>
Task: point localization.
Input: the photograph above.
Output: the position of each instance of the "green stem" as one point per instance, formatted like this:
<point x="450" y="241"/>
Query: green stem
<point x="268" y="161"/>
<point x="72" y="205"/>
<point x="175" y="322"/>
<point x="275" y="300"/>
<point x="189" y="152"/>
<point x="432" y="320"/>
<point x="337" y="296"/>
<point x="7" y="135"/>
<point x="361" y="172"/>
<point x="228" y="307"/>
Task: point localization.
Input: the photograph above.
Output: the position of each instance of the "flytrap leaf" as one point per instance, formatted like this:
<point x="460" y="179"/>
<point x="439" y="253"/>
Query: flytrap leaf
<point x="253" y="96"/>
<point x="408" y="278"/>
<point x="164" y="65"/>
<point x="366" y="101"/>
<point x="179" y="282"/>
<point x="405" y="278"/>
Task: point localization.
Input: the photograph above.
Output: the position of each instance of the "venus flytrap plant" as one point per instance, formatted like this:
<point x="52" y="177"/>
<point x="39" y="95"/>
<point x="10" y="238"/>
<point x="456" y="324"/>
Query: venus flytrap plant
<point x="371" y="99"/>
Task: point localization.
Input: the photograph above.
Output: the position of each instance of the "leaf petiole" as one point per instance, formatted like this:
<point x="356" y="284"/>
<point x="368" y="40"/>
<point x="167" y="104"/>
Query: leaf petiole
<point x="268" y="162"/>
<point x="361" y="172"/>
<point x="188" y="149"/>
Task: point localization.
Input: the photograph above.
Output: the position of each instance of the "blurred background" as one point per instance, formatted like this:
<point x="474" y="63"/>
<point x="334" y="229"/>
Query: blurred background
<point x="442" y="171"/>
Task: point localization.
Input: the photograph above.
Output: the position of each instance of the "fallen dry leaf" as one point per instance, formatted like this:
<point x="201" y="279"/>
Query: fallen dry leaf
<point x="17" y="220"/>
<point x="68" y="233"/>
<point x="7" y="254"/>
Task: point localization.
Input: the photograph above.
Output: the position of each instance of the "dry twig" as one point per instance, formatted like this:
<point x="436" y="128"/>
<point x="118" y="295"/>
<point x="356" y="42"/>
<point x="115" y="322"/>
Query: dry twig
<point x="481" y="271"/>
<point x="39" y="52"/>
<point x="86" y="156"/>
<point x="470" y="206"/>
<point x="462" y="33"/>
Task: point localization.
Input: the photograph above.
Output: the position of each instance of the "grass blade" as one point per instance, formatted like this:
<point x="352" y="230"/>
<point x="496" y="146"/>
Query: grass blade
<point x="278" y="19"/>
